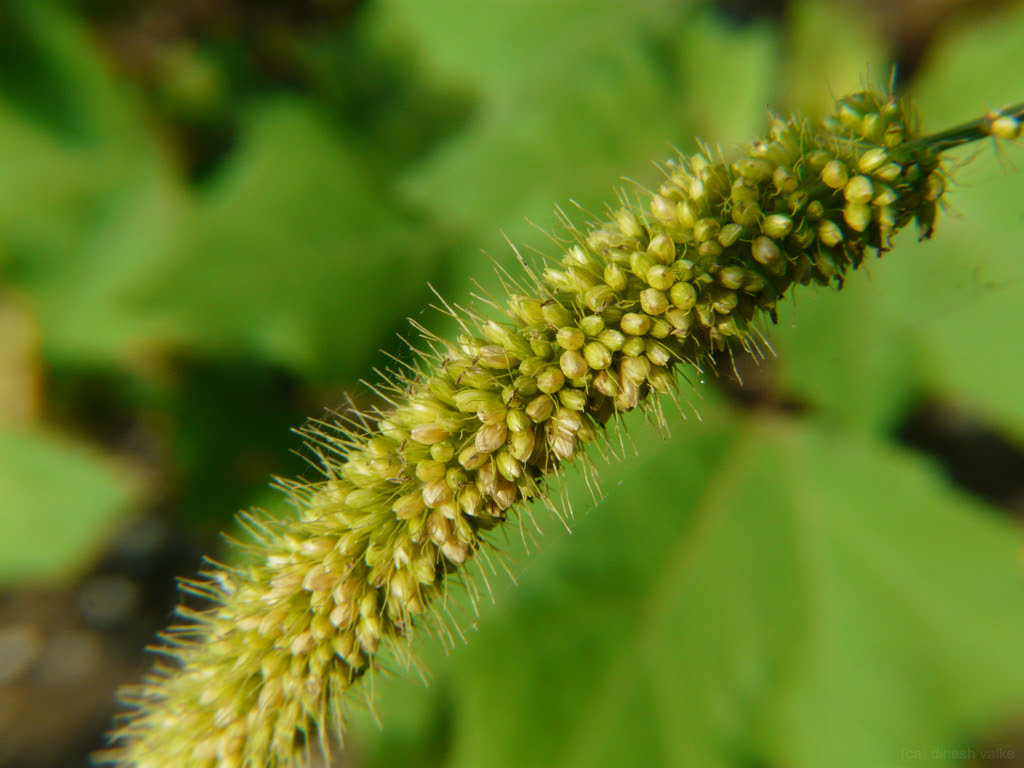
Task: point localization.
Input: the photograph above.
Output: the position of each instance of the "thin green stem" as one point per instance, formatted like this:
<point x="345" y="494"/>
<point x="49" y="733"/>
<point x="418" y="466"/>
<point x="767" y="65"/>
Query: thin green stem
<point x="970" y="131"/>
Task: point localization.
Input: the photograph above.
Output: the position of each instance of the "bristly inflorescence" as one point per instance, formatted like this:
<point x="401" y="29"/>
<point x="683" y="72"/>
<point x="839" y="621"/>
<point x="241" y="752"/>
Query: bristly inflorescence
<point x="474" y="427"/>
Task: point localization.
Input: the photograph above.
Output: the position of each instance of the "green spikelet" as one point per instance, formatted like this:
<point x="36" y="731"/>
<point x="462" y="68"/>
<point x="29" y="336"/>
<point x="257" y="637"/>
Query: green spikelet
<point x="408" y="497"/>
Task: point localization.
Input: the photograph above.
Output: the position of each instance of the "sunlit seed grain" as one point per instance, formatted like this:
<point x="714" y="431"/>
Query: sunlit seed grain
<point x="683" y="295"/>
<point x="540" y="408"/>
<point x="728" y="235"/>
<point x="1005" y="127"/>
<point x="573" y="365"/>
<point x="857" y="216"/>
<point x="871" y="160"/>
<point x="592" y="325"/>
<point x="660" y="277"/>
<point x="765" y="251"/>
<point x="777" y="226"/>
<point x="731" y="277"/>
<point x="653" y="301"/>
<point x="746" y="213"/>
<point x="834" y="174"/>
<point x="829" y="233"/>
<point x="597" y="355"/>
<point x="634" y="324"/>
<point x="570" y="337"/>
<point x="662" y="249"/>
<point x="859" y="189"/>
<point x="550" y="380"/>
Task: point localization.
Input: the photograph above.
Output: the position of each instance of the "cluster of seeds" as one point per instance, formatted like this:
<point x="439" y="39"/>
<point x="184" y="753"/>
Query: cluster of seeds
<point x="477" y="425"/>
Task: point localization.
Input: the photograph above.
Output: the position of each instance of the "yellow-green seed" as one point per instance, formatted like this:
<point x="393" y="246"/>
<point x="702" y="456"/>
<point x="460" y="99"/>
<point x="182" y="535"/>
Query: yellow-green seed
<point x="886" y="218"/>
<point x="935" y="186"/>
<point x="755" y="169"/>
<point x="803" y="236"/>
<point x="573" y="399"/>
<point x="612" y="339"/>
<point x="597" y="355"/>
<point x="746" y="213"/>
<point x="526" y="309"/>
<point x="680" y="320"/>
<point x="634" y="346"/>
<point x="628" y="223"/>
<point x="683" y="295"/>
<point x="653" y="301"/>
<point x="727" y="326"/>
<point x="728" y="235"/>
<point x="706" y="229"/>
<point x="744" y="191"/>
<point x="849" y="116"/>
<point x="635" y="369"/>
<point x="639" y="263"/>
<point x="731" y="277"/>
<point x="662" y="249"/>
<point x="656" y="352"/>
<point x="889" y="172"/>
<point x="818" y="159"/>
<point x="872" y="160"/>
<point x="660" y="277"/>
<point x="765" y="251"/>
<point x="491" y="437"/>
<point x="753" y="282"/>
<point x="634" y="324"/>
<point x="725" y="302"/>
<point x="660" y="328"/>
<point x="572" y="364"/>
<point x="686" y="214"/>
<point x="664" y="210"/>
<point x="508" y="466"/>
<point x="615" y="277"/>
<point x="592" y="325"/>
<point x="555" y="314"/>
<point x="829" y="233"/>
<point x="443" y="451"/>
<point x="857" y="216"/>
<point x="683" y="269"/>
<point x="834" y="174"/>
<point x="884" y="195"/>
<point x="859" y="190"/>
<point x="710" y="250"/>
<point x="777" y="226"/>
<point x="598" y="297"/>
<point x="550" y="380"/>
<point x="540" y="408"/>
<point x="1005" y="127"/>
<point x="783" y="180"/>
<point x="517" y="420"/>
<point x="521" y="443"/>
<point x="570" y="337"/>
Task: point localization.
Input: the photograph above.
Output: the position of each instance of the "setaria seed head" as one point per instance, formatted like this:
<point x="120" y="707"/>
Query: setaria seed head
<point x="409" y="493"/>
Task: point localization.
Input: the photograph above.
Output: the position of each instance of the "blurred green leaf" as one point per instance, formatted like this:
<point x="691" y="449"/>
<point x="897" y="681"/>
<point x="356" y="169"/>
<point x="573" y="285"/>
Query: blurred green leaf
<point x="295" y="252"/>
<point x="88" y="205"/>
<point x="59" y="499"/>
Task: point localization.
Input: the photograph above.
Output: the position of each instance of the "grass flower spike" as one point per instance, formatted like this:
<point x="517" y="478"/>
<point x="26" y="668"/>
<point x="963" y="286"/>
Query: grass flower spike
<point x="409" y="493"/>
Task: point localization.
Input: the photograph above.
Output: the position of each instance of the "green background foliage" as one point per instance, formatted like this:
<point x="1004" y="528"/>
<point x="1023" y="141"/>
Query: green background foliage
<point x="213" y="245"/>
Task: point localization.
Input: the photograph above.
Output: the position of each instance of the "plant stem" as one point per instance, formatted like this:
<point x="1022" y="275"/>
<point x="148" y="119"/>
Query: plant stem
<point x="969" y="132"/>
